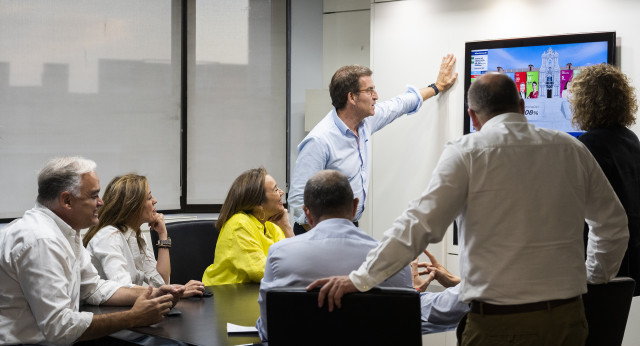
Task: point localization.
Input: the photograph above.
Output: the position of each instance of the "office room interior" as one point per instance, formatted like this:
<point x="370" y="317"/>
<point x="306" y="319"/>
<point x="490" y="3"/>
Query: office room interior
<point x="109" y="81"/>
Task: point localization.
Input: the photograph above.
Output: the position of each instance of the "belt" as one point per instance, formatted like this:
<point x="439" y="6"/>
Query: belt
<point x="491" y="309"/>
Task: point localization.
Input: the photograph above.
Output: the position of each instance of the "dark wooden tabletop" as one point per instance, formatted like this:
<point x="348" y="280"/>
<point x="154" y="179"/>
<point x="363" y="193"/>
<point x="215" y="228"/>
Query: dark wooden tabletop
<point x="203" y="321"/>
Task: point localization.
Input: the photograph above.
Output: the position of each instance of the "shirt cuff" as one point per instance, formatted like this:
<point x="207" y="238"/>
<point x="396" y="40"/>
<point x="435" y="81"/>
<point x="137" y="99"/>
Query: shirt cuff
<point x="362" y="280"/>
<point x="105" y="289"/>
<point x="416" y="92"/>
<point x="80" y="326"/>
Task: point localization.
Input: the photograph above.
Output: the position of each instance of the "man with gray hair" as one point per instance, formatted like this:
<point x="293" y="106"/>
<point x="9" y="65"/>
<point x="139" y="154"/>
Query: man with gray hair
<point x="521" y="195"/>
<point x="45" y="272"/>
<point x="340" y="246"/>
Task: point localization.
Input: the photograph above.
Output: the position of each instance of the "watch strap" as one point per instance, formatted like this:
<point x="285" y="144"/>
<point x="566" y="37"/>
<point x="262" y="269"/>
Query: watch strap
<point x="435" y="88"/>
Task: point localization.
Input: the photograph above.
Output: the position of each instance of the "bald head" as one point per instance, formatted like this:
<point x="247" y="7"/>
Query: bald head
<point x="493" y="94"/>
<point x="328" y="195"/>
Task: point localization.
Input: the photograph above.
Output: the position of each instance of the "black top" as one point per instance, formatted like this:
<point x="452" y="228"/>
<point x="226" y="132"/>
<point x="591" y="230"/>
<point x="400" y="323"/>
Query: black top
<point x="617" y="151"/>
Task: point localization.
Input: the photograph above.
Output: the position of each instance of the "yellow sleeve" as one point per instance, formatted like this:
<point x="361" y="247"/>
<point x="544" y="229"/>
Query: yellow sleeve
<point x="250" y="256"/>
<point x="241" y="251"/>
<point x="277" y="234"/>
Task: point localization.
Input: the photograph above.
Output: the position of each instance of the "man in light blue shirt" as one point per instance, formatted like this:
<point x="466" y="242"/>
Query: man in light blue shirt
<point x="341" y="140"/>
<point x="341" y="247"/>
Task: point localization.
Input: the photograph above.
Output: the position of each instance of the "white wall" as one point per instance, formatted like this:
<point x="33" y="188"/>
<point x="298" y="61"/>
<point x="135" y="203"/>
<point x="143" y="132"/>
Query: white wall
<point x="306" y="58"/>
<point x="408" y="39"/>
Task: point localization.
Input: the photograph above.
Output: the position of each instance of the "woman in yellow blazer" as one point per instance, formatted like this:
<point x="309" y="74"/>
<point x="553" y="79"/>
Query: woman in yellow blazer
<point x="251" y="219"/>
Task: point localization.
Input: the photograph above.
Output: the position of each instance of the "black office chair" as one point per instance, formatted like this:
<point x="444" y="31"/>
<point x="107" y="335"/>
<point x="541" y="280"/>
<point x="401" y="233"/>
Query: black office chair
<point x="607" y="309"/>
<point x="193" y="248"/>
<point x="382" y="316"/>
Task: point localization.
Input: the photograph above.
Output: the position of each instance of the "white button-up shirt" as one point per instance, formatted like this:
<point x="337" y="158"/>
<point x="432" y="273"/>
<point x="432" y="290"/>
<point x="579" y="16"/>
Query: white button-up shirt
<point x="45" y="273"/>
<point x="521" y="195"/>
<point x="117" y="257"/>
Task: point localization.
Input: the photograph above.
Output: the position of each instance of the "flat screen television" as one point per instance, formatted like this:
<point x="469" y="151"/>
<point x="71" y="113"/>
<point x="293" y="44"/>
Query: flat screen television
<point x="542" y="68"/>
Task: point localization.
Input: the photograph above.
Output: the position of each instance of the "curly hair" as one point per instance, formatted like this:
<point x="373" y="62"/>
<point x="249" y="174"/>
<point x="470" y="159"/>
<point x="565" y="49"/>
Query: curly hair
<point x="601" y="97"/>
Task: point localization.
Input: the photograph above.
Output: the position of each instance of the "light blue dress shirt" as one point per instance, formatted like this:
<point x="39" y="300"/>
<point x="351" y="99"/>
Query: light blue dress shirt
<point x="336" y="247"/>
<point x="332" y="145"/>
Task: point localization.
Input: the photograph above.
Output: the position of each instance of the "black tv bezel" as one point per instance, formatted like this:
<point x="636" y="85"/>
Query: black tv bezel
<point x="609" y="37"/>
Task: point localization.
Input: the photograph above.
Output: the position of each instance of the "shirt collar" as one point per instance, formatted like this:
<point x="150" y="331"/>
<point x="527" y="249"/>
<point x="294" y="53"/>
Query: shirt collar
<point x="129" y="232"/>
<point x="63" y="226"/>
<point x="344" y="129"/>
<point x="255" y="220"/>
<point x="339" y="123"/>
<point x="504" y="118"/>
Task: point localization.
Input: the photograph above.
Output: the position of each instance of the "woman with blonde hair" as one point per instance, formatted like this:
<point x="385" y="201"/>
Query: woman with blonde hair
<point x="604" y="105"/>
<point x="252" y="218"/>
<point x="117" y="248"/>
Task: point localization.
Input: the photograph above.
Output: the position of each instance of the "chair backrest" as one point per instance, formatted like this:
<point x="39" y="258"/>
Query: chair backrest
<point x="381" y="316"/>
<point x="193" y="248"/>
<point x="607" y="309"/>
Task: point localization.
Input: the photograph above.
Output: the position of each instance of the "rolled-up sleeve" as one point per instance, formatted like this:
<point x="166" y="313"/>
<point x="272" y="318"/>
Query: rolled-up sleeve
<point x="43" y="270"/>
<point x="93" y="289"/>
<point x="424" y="222"/>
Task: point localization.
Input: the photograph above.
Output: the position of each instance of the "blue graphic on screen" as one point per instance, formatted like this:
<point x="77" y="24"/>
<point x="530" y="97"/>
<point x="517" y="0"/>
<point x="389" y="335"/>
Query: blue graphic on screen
<point x="543" y="76"/>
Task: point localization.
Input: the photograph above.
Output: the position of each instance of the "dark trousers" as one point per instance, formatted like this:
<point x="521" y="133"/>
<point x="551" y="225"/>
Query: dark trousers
<point x="561" y="325"/>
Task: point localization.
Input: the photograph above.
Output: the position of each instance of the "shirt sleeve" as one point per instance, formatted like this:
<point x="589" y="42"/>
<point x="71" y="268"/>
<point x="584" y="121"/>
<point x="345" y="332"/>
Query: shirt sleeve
<point x="151" y="275"/>
<point x="43" y="270"/>
<point x="424" y="222"/>
<point x="93" y="289"/>
<point x="109" y="252"/>
<point x="277" y="234"/>
<point x="248" y="253"/>
<point x="312" y="157"/>
<point x="608" y="231"/>
<point x="265" y="284"/>
<point x="442" y="311"/>
<point x="389" y="110"/>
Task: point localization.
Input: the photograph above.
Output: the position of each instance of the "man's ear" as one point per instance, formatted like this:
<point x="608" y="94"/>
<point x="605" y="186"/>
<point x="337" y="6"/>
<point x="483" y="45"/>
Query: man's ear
<point x="355" y="207"/>
<point x="522" y="106"/>
<point x="474" y="119"/>
<point x="310" y="220"/>
<point x="351" y="98"/>
<point x="65" y="200"/>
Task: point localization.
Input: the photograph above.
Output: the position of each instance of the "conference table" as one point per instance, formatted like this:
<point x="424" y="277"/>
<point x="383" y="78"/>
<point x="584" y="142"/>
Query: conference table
<point x="203" y="321"/>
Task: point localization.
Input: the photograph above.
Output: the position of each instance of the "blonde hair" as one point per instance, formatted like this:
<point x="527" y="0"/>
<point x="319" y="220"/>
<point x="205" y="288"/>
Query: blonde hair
<point x="124" y="200"/>
<point x="601" y="96"/>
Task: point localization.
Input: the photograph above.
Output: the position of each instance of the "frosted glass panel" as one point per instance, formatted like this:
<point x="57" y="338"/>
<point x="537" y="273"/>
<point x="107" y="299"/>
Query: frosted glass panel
<point x="91" y="78"/>
<point x="236" y="95"/>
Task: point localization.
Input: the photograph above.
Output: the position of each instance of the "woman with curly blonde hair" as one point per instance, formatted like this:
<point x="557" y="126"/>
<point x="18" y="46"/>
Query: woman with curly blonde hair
<point x="604" y="105"/>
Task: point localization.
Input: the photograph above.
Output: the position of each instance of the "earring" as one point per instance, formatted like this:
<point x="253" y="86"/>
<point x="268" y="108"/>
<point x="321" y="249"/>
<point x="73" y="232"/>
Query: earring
<point x="263" y="216"/>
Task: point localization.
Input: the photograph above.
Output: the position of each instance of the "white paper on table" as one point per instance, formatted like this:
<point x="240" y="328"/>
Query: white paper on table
<point x="234" y="328"/>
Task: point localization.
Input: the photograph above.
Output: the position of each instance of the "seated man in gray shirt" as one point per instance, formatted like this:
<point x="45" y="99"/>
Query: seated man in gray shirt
<point x="341" y="247"/>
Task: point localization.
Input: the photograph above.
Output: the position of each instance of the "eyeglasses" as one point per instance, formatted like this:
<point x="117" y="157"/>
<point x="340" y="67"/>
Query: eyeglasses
<point x="369" y="91"/>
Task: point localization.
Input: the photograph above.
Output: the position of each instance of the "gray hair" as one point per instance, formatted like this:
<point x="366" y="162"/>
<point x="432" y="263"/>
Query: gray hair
<point x="62" y="174"/>
<point x="493" y="94"/>
<point x="328" y="193"/>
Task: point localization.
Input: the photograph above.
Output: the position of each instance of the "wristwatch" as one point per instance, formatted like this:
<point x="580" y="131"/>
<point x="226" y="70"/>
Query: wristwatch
<point x="164" y="243"/>
<point x="435" y="88"/>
